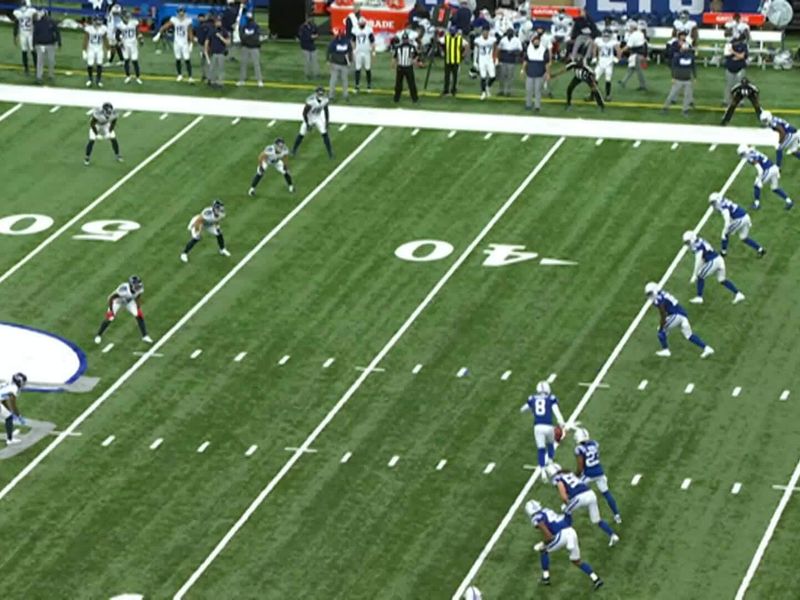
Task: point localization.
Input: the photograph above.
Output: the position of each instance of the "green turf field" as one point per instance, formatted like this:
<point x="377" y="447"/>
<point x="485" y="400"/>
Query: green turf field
<point x="350" y="427"/>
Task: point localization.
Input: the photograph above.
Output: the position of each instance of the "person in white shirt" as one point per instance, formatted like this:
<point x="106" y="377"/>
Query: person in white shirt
<point x="129" y="34"/>
<point x="560" y="30"/>
<point x="485" y="60"/>
<point x="364" y="50"/>
<point x="736" y="28"/>
<point x="23" y="33"/>
<point x="95" y="44"/>
<point x="183" y="36"/>
<point x="684" y="24"/>
<point x="606" y="55"/>
<point x="636" y="49"/>
<point x="510" y="51"/>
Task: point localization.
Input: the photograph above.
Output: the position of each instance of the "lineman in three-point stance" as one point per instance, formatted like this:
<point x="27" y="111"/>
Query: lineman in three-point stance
<point x="209" y="221"/>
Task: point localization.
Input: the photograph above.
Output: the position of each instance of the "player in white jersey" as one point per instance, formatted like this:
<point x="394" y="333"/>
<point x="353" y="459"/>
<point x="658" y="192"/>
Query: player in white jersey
<point x="102" y="127"/>
<point x="127" y="296"/>
<point x="316" y="115"/>
<point x="606" y="53"/>
<point x="272" y="156"/>
<point x="23" y="33"/>
<point x="209" y="221"/>
<point x="95" y="45"/>
<point x="560" y="30"/>
<point x="684" y="24"/>
<point x="182" y="38"/>
<point x="113" y="21"/>
<point x="129" y="33"/>
<point x="9" y="412"/>
<point x="485" y="60"/>
<point x="364" y="44"/>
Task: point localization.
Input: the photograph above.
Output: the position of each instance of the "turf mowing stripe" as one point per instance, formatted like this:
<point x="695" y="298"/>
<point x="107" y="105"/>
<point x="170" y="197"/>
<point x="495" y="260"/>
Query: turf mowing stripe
<point x="28" y="469"/>
<point x="468" y="251"/>
<point x="773" y="524"/>
<point x="10" y="112"/>
<point x="99" y="200"/>
<point x="601" y="374"/>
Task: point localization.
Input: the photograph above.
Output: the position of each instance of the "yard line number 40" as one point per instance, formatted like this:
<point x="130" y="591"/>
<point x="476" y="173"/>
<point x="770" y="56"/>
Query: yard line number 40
<point x="106" y="230"/>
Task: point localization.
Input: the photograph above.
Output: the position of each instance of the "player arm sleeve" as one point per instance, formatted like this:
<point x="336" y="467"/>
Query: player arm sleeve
<point x="327" y="115"/>
<point x="12" y="405"/>
<point x="111" y="299"/>
<point x="559" y="416"/>
<point x="524" y="408"/>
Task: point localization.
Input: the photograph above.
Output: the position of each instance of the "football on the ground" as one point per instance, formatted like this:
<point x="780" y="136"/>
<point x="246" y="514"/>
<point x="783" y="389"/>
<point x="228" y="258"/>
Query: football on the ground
<point x="558" y="433"/>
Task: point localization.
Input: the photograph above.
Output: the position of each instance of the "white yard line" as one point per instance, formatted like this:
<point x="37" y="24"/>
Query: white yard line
<point x="712" y="147"/>
<point x="56" y="108"/>
<point x="127" y="114"/>
<point x="598" y="142"/>
<point x="674" y="146"/>
<point x="452" y="133"/>
<point x="343" y="126"/>
<point x="10" y="112"/>
<point x="468" y="251"/>
<point x="689" y="388"/>
<point x="163" y="116"/>
<point x="284" y="359"/>
<point x="107" y="348"/>
<point x="328" y="363"/>
<point x="195" y="354"/>
<point x="489" y="468"/>
<point x="28" y="469"/>
<point x="202" y="447"/>
<point x="345" y="457"/>
<point x="108" y="441"/>
<point x="505" y="376"/>
<point x="99" y="200"/>
<point x="271" y="123"/>
<point x="636" y="479"/>
<point x="416" y="369"/>
<point x="440" y="465"/>
<point x="637" y="143"/>
<point x="236" y="121"/>
<point x="552" y="378"/>
<point x="773" y="524"/>
<point x="156" y="444"/>
<point x="239" y="357"/>
<point x="784" y="395"/>
<point x="488" y="136"/>
<point x="642" y="385"/>
<point x="525" y="138"/>
<point x="736" y="391"/>
<point x="587" y="384"/>
<point x="736" y="488"/>
<point x="251" y="450"/>
<point x="686" y="483"/>
<point x="601" y="374"/>
<point x="415" y="131"/>
<point x="393" y="461"/>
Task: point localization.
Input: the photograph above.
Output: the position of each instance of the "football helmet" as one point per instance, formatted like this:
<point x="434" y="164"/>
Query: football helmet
<point x="689" y="237"/>
<point x="552" y="470"/>
<point x="650" y="289"/>
<point x="581" y="434"/>
<point x="320" y="91"/>
<point x="218" y="208"/>
<point x="107" y="109"/>
<point x="19" y="379"/>
<point x="181" y="9"/>
<point x="607" y="34"/>
<point x="742" y="149"/>
<point x="280" y="143"/>
<point x="136" y="283"/>
<point x="543" y="388"/>
<point x="765" y="117"/>
<point x="532" y="507"/>
<point x="714" y="197"/>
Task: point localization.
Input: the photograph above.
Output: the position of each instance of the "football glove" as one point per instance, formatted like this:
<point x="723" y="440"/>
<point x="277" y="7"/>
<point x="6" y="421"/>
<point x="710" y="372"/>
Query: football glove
<point x="157" y="37"/>
<point x="693" y="279"/>
<point x="540" y="547"/>
<point x="20" y="420"/>
<point x="84" y="55"/>
<point x="109" y="315"/>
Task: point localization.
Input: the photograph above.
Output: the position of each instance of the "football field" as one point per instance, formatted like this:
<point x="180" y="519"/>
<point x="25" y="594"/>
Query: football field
<point x="333" y="411"/>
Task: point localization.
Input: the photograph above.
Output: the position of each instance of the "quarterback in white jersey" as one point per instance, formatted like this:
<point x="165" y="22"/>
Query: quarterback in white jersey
<point x="95" y="45"/>
<point x="182" y="38"/>
<point x="315" y="114"/>
<point x="102" y="127"/>
<point x="364" y="44"/>
<point x="708" y="262"/>
<point x="272" y="156"/>
<point x="129" y="34"/>
<point x="127" y="296"/>
<point x="486" y="60"/>
<point x="23" y="31"/>
<point x="209" y="221"/>
<point x="9" y="412"/>
<point x="606" y="53"/>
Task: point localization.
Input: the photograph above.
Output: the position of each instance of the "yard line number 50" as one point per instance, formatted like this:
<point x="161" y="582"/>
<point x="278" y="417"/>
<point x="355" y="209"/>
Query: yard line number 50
<point x="106" y="230"/>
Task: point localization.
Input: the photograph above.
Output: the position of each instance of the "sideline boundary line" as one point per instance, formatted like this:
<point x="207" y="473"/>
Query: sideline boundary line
<point x="10" y="111"/>
<point x="300" y="451"/>
<point x="773" y="524"/>
<point x="601" y="374"/>
<point x="185" y="318"/>
<point x="99" y="200"/>
<point x="399" y="117"/>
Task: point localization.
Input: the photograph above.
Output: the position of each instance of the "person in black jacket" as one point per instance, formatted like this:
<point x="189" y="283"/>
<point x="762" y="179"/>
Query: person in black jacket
<point x="582" y="74"/>
<point x="250" y="36"/>
<point x="205" y="25"/>
<point x="46" y="37"/>
<point x="741" y="91"/>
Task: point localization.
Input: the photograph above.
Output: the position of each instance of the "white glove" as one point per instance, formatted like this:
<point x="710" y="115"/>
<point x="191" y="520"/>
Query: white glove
<point x="693" y="279"/>
<point x="84" y="55"/>
<point x="157" y="37"/>
<point x="594" y="60"/>
<point x="539" y="546"/>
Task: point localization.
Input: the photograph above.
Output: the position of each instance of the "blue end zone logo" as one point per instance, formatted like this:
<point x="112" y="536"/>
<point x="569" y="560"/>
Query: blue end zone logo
<point x="52" y="363"/>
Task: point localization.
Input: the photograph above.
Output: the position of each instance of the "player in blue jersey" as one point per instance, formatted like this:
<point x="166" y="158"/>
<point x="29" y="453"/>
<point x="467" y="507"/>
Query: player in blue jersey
<point x="576" y="494"/>
<point x="558" y="533"/>
<point x="737" y="221"/>
<point x="544" y="406"/>
<point x="672" y="315"/>
<point x="587" y="454"/>
<point x="766" y="172"/>
<point x="707" y="262"/>
<point x="788" y="139"/>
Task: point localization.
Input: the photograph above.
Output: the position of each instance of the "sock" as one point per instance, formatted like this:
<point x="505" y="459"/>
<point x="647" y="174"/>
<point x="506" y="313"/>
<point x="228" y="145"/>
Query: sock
<point x="115" y="146"/>
<point x="221" y="241"/>
<point x="256" y="178"/>
<point x="190" y="244"/>
<point x="136" y="68"/>
<point x="89" y="147"/>
<point x="662" y="338"/>
<point x="586" y="568"/>
<point x="369" y="78"/>
<point x="606" y="528"/>
<point x="25" y="61"/>
<point x="358" y="77"/>
<point x="551" y="450"/>
<point x="142" y="328"/>
<point x="701" y="284"/>
<point x="612" y="504"/>
<point x="103" y="326"/>
<point x="90" y="73"/>
<point x="752" y="243"/>
<point x="483" y="85"/>
<point x="287" y="176"/>
<point x="327" y="140"/>
<point x="491" y="81"/>
<point x="99" y="73"/>
<point x="593" y="576"/>
<point x="189" y="67"/>
<point x="797" y="154"/>
<point x="10" y="428"/>
<point x="729" y="284"/>
<point x="781" y="193"/>
<point x="127" y="68"/>
<point x="608" y="88"/>
<point x="35" y="58"/>
<point x="695" y="339"/>
<point x="725" y="244"/>
<point x="544" y="557"/>
<point x="779" y="157"/>
<point x="297" y="141"/>
<point x="540" y="455"/>
<point x="178" y="67"/>
<point x="757" y="193"/>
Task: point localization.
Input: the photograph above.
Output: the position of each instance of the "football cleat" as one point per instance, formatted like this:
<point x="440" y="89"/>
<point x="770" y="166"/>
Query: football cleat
<point x="224" y="252"/>
<point x="545" y="581"/>
<point x="119" y="158"/>
<point x="191" y="79"/>
<point x="147" y="339"/>
<point x="99" y="84"/>
<point x="13" y="441"/>
<point x="98" y="339"/>
<point x="184" y="257"/>
<point x="127" y="80"/>
<point x="291" y="189"/>
<point x="598" y="584"/>
<point x="251" y="192"/>
<point x="707" y="351"/>
<point x="618" y="519"/>
<point x="755" y="206"/>
<point x="697" y="300"/>
<point x="614" y="540"/>
<point x="86" y="161"/>
<point x="139" y="80"/>
<point x="789" y="205"/>
<point x="483" y="95"/>
<point x="179" y="78"/>
<point x="761" y="252"/>
<point x="739" y="297"/>
<point x="665" y="353"/>
<point x="88" y="83"/>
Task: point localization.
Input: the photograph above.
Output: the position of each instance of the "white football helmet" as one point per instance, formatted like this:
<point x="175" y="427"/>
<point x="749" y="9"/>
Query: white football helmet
<point x="532" y="507"/>
<point x="765" y="117"/>
<point x="581" y="434"/>
<point x="552" y="470"/>
<point x="689" y="237"/>
<point x="651" y="289"/>
<point x="543" y="388"/>
<point x="742" y="149"/>
<point x="714" y="197"/>
<point x="473" y="593"/>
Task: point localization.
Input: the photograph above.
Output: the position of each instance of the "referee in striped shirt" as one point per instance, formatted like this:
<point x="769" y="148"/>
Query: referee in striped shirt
<point x="454" y="46"/>
<point x="404" y="56"/>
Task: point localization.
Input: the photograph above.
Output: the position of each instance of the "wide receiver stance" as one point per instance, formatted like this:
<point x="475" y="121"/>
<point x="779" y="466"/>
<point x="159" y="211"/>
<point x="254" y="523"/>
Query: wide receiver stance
<point x="315" y="114"/>
<point x="126" y="296"/>
<point x="209" y="221"/>
<point x="9" y="392"/>
<point x="272" y="156"/>
<point x="101" y="127"/>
